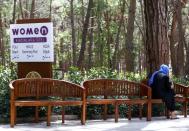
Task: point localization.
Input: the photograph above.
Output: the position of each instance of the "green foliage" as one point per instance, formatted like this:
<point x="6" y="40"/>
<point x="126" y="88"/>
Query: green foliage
<point x="6" y="75"/>
<point x="135" y="76"/>
<point x="181" y="80"/>
<point x="75" y="75"/>
<point x="57" y="74"/>
<point x="101" y="72"/>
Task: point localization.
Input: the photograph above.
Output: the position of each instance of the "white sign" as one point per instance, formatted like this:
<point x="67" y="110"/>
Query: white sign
<point x="32" y="42"/>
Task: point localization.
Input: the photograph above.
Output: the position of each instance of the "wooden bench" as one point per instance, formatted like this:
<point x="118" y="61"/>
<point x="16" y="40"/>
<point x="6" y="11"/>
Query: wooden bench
<point x="116" y="92"/>
<point x="35" y="89"/>
<point x="181" y="92"/>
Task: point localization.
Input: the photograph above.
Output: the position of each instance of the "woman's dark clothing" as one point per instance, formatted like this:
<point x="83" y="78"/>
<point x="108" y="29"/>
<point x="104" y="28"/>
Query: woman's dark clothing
<point x="161" y="89"/>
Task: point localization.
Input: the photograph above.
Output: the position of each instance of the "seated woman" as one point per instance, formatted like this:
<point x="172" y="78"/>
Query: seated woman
<point x="162" y="88"/>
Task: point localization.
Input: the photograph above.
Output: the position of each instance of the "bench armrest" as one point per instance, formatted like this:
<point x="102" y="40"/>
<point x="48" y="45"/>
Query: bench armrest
<point x="146" y="90"/>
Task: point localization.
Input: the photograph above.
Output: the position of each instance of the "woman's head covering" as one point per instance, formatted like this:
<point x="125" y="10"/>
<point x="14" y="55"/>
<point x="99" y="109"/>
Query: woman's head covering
<point x="163" y="69"/>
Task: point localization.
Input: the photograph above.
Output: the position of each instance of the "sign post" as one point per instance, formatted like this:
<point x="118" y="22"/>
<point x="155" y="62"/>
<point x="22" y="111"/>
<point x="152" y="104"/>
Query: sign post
<point x="32" y="46"/>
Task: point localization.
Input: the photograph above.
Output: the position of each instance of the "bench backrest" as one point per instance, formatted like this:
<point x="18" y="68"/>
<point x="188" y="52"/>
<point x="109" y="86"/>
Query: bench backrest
<point x="111" y="87"/>
<point x="45" y="87"/>
<point x="181" y="89"/>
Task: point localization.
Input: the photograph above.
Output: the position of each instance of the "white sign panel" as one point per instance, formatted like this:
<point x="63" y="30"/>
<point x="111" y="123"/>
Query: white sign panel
<point x="32" y="42"/>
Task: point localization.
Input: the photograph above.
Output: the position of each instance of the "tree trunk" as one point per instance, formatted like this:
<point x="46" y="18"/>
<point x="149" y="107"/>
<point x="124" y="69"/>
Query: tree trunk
<point x="129" y="52"/>
<point x="73" y="34"/>
<point x="108" y="37"/>
<point x="82" y="11"/>
<point x="181" y="43"/>
<point x="14" y="12"/>
<point x="1" y="41"/>
<point x="187" y="59"/>
<point x="115" y="55"/>
<point x="26" y="10"/>
<point x="157" y="47"/>
<point x="142" y="54"/>
<point x="50" y="9"/>
<point x="173" y="44"/>
<point x="91" y="37"/>
<point x="32" y="12"/>
<point x="21" y="9"/>
<point x="177" y="40"/>
<point x="61" y="59"/>
<point x="84" y="35"/>
<point x="187" y="48"/>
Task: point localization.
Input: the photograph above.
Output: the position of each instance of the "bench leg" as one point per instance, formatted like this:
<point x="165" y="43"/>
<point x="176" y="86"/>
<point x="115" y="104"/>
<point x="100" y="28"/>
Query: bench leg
<point x="129" y="112"/>
<point x="167" y="113"/>
<point x="15" y="114"/>
<point x="185" y="109"/>
<point x="48" y="115"/>
<point x="105" y="111"/>
<point x="149" y="111"/>
<point x="83" y="114"/>
<point x="63" y="113"/>
<point x="116" y="112"/>
<point x="12" y="115"/>
<point x="36" y="114"/>
<point x="140" y="111"/>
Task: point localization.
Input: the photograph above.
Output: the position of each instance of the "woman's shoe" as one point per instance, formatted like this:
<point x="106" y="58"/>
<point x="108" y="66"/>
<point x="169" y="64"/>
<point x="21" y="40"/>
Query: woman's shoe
<point x="172" y="118"/>
<point x="173" y="115"/>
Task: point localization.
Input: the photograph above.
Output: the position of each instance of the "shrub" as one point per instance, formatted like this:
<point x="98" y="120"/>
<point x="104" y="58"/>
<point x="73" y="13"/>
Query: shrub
<point x="75" y="75"/>
<point x="181" y="80"/>
<point x="101" y="72"/>
<point x="6" y="75"/>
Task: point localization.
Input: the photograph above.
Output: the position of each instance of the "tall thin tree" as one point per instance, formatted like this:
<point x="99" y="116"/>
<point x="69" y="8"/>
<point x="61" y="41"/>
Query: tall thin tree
<point x="84" y="35"/>
<point x="1" y="40"/>
<point x="32" y="12"/>
<point x="107" y="16"/>
<point x="73" y="33"/>
<point x="91" y="39"/>
<point x="117" y="41"/>
<point x="50" y="9"/>
<point x="14" y="12"/>
<point x="129" y="52"/>
<point x="21" y="9"/>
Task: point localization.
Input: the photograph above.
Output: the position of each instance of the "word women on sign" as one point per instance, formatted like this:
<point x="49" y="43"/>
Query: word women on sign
<point x="30" y="31"/>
